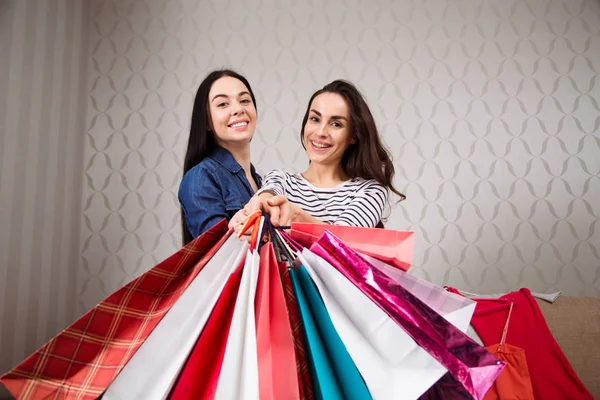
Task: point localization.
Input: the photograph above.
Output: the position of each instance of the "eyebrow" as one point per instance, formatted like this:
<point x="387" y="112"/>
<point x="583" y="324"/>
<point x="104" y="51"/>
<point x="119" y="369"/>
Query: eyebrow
<point x="332" y="117"/>
<point x="224" y="95"/>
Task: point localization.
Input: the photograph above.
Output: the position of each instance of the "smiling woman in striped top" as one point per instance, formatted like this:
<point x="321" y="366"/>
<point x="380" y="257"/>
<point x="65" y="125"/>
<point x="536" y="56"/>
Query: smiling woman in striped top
<point x="350" y="172"/>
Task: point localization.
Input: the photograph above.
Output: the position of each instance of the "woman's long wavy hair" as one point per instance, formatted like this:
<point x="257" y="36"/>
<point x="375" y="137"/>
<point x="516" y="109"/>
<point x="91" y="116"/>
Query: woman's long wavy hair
<point x="367" y="158"/>
<point x="202" y="141"/>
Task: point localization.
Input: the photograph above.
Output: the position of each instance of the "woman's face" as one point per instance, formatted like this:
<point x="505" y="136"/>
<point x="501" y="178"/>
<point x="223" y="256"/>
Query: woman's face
<point x="327" y="132"/>
<point x="232" y="113"/>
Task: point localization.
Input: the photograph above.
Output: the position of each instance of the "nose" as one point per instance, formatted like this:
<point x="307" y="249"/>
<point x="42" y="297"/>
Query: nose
<point x="237" y="108"/>
<point x="322" y="130"/>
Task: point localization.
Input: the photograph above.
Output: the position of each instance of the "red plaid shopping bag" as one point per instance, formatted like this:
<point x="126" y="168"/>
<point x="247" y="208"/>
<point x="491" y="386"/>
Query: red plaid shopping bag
<point x="304" y="380"/>
<point x="81" y="361"/>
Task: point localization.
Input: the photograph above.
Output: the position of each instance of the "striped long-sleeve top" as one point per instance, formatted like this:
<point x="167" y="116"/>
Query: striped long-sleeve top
<point x="356" y="202"/>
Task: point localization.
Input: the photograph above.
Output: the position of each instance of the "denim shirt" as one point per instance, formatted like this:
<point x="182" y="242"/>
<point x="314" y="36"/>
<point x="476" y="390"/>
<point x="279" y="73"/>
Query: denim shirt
<point x="214" y="189"/>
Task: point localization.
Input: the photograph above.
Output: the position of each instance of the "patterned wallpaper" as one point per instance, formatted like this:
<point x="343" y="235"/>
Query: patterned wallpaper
<point x="489" y="107"/>
<point x="43" y="59"/>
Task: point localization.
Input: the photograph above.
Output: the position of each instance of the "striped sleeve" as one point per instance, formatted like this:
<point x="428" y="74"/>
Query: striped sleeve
<point x="274" y="181"/>
<point x="366" y="208"/>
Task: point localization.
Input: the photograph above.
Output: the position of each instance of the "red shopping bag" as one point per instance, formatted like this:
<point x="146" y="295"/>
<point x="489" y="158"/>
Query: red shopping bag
<point x="200" y="375"/>
<point x="81" y="361"/>
<point x="392" y="247"/>
<point x="277" y="373"/>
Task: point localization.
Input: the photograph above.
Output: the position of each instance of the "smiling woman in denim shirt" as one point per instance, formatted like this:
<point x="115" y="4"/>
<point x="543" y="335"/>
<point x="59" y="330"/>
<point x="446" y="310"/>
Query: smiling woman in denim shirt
<point x="218" y="177"/>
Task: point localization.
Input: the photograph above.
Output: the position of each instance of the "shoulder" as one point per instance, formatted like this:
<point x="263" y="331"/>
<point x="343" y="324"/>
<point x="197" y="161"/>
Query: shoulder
<point x="201" y="174"/>
<point x="365" y="183"/>
<point x="277" y="181"/>
<point x="277" y="173"/>
<point x="368" y="186"/>
<point x="203" y="169"/>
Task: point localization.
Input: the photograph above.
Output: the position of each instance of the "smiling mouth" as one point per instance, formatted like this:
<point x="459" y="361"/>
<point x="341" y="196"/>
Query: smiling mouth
<point x="239" y="124"/>
<point x="320" y="145"/>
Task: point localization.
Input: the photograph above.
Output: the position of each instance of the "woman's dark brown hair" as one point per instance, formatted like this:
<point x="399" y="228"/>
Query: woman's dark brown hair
<point x="367" y="158"/>
<point x="201" y="141"/>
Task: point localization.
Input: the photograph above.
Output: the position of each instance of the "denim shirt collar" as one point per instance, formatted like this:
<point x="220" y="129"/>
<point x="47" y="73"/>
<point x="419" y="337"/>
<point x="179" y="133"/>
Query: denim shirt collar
<point x="225" y="158"/>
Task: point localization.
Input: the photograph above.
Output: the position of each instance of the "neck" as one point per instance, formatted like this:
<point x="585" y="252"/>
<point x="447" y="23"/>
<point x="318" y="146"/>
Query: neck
<point x="240" y="152"/>
<point x="325" y="175"/>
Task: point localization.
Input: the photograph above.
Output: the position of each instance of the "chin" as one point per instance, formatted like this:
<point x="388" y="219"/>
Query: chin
<point x="242" y="137"/>
<point x="318" y="160"/>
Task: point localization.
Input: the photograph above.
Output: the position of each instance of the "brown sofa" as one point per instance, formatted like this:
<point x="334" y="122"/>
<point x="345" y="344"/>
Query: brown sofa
<point x="575" y="324"/>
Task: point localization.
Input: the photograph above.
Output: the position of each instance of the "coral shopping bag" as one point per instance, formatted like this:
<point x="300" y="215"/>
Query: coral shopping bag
<point x="392" y="247"/>
<point x="277" y="373"/>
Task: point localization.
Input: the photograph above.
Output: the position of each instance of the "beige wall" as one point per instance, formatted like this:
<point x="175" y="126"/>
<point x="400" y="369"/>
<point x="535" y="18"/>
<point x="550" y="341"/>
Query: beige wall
<point x="42" y="88"/>
<point x="489" y="107"/>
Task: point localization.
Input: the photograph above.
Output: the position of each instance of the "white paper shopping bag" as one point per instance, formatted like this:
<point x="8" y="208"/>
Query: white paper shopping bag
<point x="391" y="363"/>
<point x="239" y="371"/>
<point x="153" y="369"/>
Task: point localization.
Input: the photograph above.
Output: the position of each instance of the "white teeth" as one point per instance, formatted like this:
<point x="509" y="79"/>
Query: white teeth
<point x="238" y="124"/>
<point x="319" y="145"/>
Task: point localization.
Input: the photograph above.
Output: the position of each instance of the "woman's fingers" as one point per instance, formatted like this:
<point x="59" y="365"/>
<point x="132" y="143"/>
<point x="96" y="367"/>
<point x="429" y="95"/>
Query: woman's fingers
<point x="274" y="211"/>
<point x="238" y="220"/>
<point x="286" y="213"/>
<point x="282" y="209"/>
<point x="277" y="200"/>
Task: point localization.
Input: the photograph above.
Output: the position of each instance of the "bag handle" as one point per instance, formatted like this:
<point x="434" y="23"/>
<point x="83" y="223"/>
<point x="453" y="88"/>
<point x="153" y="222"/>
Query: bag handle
<point x="288" y="238"/>
<point x="253" y="221"/>
<point x="249" y="222"/>
<point x="505" y="329"/>
<point x="282" y="250"/>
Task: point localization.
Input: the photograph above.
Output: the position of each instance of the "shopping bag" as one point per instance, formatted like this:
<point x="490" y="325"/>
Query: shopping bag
<point x="447" y="388"/>
<point x="334" y="374"/>
<point x="239" y="371"/>
<point x="277" y="374"/>
<point x="391" y="363"/>
<point x="471" y="364"/>
<point x="456" y="309"/>
<point x="200" y="375"/>
<point x="81" y="361"/>
<point x="152" y="371"/>
<point x="392" y="247"/>
<point x="303" y="372"/>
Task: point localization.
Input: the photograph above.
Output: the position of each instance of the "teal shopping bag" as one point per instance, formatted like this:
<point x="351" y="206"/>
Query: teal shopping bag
<point x="333" y="372"/>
